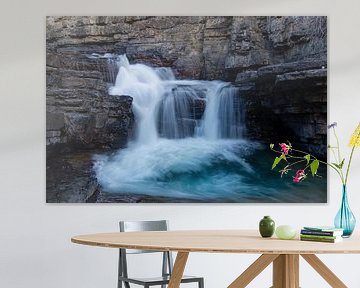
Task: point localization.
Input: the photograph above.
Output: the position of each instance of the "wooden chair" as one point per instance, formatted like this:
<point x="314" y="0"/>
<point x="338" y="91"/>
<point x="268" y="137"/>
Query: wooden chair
<point x="167" y="265"/>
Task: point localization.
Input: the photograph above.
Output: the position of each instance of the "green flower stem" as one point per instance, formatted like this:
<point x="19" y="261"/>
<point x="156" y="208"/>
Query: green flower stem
<point x="339" y="171"/>
<point x="322" y="162"/>
<point x="333" y="152"/>
<point x="297" y="162"/>
<point x="348" y="166"/>
<point x="338" y="149"/>
<point x="350" y="159"/>
<point x="338" y="145"/>
<point x="336" y="169"/>
<point x="299" y="151"/>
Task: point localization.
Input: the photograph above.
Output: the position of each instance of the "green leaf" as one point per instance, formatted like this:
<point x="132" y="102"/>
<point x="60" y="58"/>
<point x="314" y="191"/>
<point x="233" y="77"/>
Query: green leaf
<point x="277" y="161"/>
<point x="314" y="166"/>
<point x="307" y="157"/>
<point x="342" y="163"/>
<point x="271" y="146"/>
<point x="339" y="166"/>
<point x="336" y="165"/>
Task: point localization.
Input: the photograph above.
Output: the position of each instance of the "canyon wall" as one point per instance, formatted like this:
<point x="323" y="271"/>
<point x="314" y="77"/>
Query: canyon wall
<point x="278" y="63"/>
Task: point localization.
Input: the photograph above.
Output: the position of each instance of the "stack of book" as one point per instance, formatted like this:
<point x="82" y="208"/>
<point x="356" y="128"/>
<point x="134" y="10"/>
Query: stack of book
<point x="321" y="234"/>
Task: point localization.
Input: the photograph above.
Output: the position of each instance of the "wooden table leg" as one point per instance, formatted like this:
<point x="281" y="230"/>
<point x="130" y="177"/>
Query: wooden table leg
<point x="286" y="271"/>
<point x="178" y="269"/>
<point x="253" y="270"/>
<point x="324" y="271"/>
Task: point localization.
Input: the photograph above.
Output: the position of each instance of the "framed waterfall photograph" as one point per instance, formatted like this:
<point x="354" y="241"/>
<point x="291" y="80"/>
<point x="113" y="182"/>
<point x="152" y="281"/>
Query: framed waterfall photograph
<point x="185" y="109"/>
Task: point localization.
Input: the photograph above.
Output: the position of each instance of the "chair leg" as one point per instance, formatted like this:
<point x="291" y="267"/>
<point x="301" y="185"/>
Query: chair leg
<point x="122" y="269"/>
<point x="165" y="266"/>
<point x="201" y="283"/>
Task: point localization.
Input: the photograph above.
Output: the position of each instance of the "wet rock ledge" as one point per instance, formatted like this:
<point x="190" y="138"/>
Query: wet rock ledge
<point x="71" y="179"/>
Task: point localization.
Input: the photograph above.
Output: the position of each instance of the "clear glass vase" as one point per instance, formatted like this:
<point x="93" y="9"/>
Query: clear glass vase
<point x="345" y="219"/>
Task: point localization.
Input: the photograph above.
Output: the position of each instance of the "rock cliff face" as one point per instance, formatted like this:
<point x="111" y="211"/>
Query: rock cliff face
<point x="287" y="101"/>
<point x="79" y="110"/>
<point x="288" y="90"/>
<point x="274" y="61"/>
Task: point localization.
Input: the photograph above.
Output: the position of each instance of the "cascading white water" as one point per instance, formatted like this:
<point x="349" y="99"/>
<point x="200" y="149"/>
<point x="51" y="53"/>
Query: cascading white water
<point x="177" y="118"/>
<point x="222" y="117"/>
<point x="146" y="87"/>
<point x="188" y="132"/>
<point x="165" y="106"/>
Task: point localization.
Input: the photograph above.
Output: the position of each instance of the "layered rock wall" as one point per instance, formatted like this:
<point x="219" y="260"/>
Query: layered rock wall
<point x="79" y="109"/>
<point x="287" y="102"/>
<point x="275" y="61"/>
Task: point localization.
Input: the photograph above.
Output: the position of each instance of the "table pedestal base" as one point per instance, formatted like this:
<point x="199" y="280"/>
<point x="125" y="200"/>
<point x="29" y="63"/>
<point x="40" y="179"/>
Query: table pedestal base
<point x="286" y="271"/>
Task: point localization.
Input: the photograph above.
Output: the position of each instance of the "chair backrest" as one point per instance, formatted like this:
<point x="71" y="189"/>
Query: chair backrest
<point x="134" y="226"/>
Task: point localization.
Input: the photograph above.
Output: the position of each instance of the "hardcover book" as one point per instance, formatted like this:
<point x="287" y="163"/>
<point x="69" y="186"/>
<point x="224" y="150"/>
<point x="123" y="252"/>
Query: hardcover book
<point x="326" y="240"/>
<point x="321" y="233"/>
<point x="319" y="237"/>
<point x="323" y="228"/>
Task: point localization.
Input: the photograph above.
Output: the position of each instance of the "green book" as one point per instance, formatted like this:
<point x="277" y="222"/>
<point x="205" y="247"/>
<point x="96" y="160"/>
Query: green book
<point x="319" y="236"/>
<point x="325" y="240"/>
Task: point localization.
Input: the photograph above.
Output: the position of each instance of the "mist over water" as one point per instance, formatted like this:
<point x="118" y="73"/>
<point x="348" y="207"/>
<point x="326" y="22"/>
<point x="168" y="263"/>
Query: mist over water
<point x="191" y="168"/>
<point x="188" y="143"/>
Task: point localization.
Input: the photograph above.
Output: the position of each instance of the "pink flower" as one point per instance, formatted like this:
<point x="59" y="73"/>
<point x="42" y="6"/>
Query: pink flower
<point x="284" y="148"/>
<point x="300" y="175"/>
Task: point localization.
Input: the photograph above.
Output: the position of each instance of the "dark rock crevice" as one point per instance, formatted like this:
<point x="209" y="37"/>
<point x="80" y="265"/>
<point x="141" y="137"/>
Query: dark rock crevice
<point x="287" y="102"/>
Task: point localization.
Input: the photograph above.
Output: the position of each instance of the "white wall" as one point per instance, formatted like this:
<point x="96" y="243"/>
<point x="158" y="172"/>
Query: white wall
<point x="35" y="248"/>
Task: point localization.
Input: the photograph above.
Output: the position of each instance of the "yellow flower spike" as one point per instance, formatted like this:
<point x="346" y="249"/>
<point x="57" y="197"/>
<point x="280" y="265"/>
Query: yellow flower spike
<point x="355" y="137"/>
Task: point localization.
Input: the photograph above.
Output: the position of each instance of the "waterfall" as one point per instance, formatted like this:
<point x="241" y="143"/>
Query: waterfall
<point x="170" y="108"/>
<point x="223" y="116"/>
<point x="146" y="87"/>
<point x="177" y="118"/>
<point x="108" y="64"/>
<point x="188" y="142"/>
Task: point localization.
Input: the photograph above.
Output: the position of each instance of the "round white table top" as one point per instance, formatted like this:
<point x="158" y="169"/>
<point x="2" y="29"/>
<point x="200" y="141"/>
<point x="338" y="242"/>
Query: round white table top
<point x="219" y="241"/>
